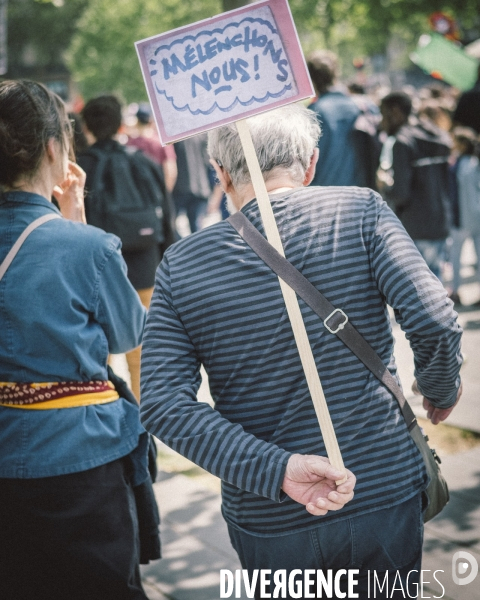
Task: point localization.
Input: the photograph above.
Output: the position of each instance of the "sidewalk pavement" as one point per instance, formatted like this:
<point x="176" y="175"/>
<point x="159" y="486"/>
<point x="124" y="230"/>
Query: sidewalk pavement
<point x="466" y="414"/>
<point x="195" y="542"/>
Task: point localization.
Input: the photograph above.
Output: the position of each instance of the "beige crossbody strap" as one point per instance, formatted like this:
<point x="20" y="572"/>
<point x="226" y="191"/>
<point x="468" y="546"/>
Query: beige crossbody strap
<point x="291" y="302"/>
<point x="21" y="238"/>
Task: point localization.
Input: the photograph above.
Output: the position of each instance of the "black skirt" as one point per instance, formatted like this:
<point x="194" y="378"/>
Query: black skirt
<point x="70" y="537"/>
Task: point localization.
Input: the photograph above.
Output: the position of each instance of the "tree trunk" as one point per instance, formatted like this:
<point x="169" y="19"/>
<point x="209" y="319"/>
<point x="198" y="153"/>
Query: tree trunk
<point x="3" y="37"/>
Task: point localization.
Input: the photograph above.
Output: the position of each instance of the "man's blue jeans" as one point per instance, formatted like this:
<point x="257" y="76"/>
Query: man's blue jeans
<point x="384" y="540"/>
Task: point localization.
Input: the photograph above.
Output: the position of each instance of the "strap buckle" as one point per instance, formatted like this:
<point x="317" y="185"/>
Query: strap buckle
<point x="340" y="325"/>
<point x="435" y="456"/>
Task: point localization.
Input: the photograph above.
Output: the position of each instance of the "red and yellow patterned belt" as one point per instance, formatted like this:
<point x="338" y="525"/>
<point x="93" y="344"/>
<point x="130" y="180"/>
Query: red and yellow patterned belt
<point x="64" y="394"/>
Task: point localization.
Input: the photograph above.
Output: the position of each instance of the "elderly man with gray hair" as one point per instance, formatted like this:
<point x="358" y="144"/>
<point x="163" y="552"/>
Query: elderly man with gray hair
<point x="217" y="304"/>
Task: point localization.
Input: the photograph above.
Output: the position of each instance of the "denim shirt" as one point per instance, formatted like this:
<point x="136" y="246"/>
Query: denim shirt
<point x="337" y="164"/>
<point x="65" y="303"/>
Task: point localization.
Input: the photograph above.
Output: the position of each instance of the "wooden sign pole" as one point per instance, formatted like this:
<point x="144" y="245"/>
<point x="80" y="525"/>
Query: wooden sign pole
<point x="291" y="301"/>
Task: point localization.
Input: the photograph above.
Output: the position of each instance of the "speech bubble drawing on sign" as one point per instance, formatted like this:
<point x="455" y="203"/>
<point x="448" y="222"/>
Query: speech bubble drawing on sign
<point x="225" y="68"/>
<point x="212" y="69"/>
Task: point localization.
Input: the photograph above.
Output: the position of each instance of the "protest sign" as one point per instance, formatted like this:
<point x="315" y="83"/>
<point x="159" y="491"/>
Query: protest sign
<point x="226" y="68"/>
<point x="223" y="70"/>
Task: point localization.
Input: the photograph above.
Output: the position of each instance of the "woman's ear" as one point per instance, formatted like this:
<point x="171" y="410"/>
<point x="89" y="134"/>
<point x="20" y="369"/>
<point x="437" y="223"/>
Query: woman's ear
<point x="310" y="172"/>
<point x="52" y="150"/>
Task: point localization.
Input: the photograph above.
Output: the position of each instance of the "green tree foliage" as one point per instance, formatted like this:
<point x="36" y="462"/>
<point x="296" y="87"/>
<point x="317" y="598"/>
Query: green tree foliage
<point x="368" y="25"/>
<point x="103" y="59"/>
<point x="39" y="32"/>
<point x="102" y="55"/>
<point x="231" y="4"/>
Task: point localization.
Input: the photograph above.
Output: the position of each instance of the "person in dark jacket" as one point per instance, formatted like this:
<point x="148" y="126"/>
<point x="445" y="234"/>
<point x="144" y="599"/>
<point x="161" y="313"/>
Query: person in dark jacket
<point x="103" y="119"/>
<point x="467" y="112"/>
<point x="413" y="177"/>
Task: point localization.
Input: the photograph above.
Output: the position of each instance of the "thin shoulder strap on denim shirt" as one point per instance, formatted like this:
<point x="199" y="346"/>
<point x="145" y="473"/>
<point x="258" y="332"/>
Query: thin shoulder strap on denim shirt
<point x="22" y="237"/>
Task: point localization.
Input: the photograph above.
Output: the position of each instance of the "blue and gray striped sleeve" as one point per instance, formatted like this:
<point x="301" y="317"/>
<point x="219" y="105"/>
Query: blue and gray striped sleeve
<point x="421" y="308"/>
<point x="170" y="410"/>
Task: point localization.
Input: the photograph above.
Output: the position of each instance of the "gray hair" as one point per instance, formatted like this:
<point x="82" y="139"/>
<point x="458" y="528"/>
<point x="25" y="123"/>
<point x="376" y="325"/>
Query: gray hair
<point x="284" y="139"/>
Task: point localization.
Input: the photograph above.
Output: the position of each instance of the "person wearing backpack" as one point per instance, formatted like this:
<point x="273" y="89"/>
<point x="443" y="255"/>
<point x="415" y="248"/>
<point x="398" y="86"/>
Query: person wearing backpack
<point x="126" y="195"/>
<point x="413" y="177"/>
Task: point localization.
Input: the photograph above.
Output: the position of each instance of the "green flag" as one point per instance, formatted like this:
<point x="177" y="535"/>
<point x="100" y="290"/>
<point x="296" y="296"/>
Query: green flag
<point x="445" y="60"/>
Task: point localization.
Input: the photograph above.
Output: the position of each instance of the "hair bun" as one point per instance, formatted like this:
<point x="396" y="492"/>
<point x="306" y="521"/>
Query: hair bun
<point x="30" y="115"/>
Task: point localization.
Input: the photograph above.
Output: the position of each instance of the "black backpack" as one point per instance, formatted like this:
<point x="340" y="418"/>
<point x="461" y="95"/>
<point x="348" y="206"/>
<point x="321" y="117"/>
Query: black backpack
<point x="125" y="195"/>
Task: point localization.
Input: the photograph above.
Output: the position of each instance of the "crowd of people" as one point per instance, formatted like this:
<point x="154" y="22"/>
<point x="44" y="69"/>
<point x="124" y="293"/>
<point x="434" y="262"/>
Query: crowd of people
<point x="372" y="195"/>
<point x="418" y="147"/>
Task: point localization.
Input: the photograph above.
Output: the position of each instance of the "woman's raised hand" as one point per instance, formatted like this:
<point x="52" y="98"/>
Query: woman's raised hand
<point x="70" y="195"/>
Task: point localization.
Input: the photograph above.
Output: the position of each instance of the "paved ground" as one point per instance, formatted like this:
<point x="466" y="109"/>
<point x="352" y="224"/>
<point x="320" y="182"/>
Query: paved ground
<point x="194" y="536"/>
<point x="195" y="542"/>
<point x="196" y="546"/>
<point x="467" y="413"/>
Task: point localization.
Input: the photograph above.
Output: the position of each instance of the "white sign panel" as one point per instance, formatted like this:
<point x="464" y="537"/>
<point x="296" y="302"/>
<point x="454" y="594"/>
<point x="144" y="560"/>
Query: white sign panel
<point x="226" y="68"/>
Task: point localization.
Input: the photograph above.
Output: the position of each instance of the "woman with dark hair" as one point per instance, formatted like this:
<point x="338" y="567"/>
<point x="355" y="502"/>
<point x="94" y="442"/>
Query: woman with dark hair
<point x="67" y="521"/>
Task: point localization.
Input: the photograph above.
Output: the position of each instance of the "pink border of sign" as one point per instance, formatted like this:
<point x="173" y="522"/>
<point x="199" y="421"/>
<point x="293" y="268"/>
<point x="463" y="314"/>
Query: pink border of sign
<point x="284" y="20"/>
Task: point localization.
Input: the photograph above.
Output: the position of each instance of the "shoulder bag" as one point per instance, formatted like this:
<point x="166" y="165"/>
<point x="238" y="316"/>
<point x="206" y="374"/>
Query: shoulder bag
<point x="337" y="323"/>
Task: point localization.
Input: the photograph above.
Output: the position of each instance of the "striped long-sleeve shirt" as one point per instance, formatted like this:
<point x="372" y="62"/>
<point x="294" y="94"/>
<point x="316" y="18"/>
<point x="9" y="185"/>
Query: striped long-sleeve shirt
<point x="217" y="304"/>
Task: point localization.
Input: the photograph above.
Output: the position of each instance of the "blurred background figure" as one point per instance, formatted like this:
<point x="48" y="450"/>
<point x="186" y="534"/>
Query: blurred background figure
<point x="467" y="112"/>
<point x="465" y="196"/>
<point x="126" y="195"/>
<point x="363" y="100"/>
<point x="366" y="137"/>
<point x="79" y="140"/>
<point x="336" y="113"/>
<point x="437" y="113"/>
<point x="413" y="177"/>
<point x="144" y="137"/>
<point x="194" y="183"/>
